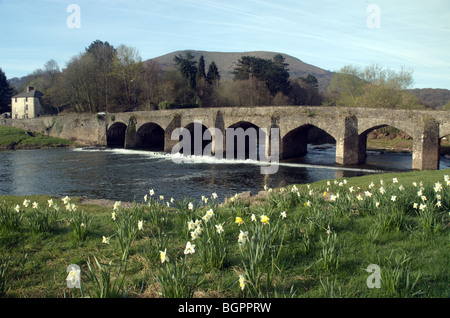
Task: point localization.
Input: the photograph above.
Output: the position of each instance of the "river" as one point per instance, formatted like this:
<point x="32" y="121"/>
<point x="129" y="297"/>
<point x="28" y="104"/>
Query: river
<point x="127" y="175"/>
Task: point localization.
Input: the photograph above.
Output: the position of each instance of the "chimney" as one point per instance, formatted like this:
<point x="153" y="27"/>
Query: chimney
<point x="30" y="88"/>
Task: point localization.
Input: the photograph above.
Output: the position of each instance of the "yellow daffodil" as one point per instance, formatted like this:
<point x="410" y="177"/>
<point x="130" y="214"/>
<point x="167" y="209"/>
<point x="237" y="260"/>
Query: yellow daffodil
<point x="264" y="219"/>
<point x="238" y="220"/>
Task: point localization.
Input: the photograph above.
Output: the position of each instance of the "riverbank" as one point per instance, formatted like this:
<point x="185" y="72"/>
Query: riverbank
<point x="318" y="244"/>
<point x="15" y="138"/>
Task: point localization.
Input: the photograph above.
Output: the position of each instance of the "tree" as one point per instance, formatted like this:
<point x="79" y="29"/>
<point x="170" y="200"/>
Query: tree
<point x="201" y="72"/>
<point x="188" y="68"/>
<point x="373" y="86"/>
<point x="103" y="54"/>
<point x="127" y="70"/>
<point x="273" y="73"/>
<point x="6" y="92"/>
<point x="213" y="75"/>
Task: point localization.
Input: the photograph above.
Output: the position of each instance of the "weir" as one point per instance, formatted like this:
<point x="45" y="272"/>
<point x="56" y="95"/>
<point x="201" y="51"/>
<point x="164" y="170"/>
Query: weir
<point x="348" y="127"/>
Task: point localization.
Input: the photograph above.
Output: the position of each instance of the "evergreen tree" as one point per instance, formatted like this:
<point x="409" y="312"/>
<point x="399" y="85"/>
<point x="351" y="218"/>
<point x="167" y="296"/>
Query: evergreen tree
<point x="213" y="74"/>
<point x="6" y="92"/>
<point x="201" y="69"/>
<point x="188" y="68"/>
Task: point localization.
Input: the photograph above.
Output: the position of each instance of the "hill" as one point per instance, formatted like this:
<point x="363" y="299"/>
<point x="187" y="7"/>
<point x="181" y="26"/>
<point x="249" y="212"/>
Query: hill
<point x="227" y="61"/>
<point x="432" y="97"/>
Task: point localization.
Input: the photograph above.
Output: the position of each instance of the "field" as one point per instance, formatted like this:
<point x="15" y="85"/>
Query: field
<point x="377" y="236"/>
<point x="15" y="138"/>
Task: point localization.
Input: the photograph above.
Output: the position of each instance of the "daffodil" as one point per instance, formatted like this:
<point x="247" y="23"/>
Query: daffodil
<point x="422" y="207"/>
<point x="117" y="205"/>
<point x="74" y="276"/>
<point x="283" y="215"/>
<point x="243" y="237"/>
<point x="415" y="205"/>
<point x="394" y="180"/>
<point x="163" y="256"/>
<point x="307" y="203"/>
<point x="151" y="192"/>
<point x="17" y="208"/>
<point x="140" y="225"/>
<point x="393" y="198"/>
<point x="264" y="219"/>
<point x="66" y="200"/>
<point x="145" y="198"/>
<point x="242" y="281"/>
<point x="219" y="228"/>
<point x="214" y="195"/>
<point x="238" y="220"/>
<point x="190" y="248"/>
<point x="26" y="203"/>
<point x="35" y="205"/>
<point x="253" y="217"/>
<point x="105" y="240"/>
<point x="161" y="197"/>
<point x="50" y="203"/>
<point x="190" y="206"/>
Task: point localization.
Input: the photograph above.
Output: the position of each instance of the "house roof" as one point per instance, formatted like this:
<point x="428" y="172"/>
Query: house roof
<point x="33" y="93"/>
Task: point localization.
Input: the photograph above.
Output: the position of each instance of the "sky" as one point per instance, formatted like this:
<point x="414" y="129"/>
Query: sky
<point x="330" y="34"/>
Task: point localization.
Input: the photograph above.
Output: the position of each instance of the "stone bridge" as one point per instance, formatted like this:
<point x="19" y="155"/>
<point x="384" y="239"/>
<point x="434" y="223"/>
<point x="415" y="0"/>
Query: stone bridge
<point x="348" y="127"/>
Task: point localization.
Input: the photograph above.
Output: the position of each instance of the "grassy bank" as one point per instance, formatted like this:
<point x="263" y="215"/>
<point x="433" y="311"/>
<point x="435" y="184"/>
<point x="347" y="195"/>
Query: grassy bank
<point x="15" y="138"/>
<point x="303" y="241"/>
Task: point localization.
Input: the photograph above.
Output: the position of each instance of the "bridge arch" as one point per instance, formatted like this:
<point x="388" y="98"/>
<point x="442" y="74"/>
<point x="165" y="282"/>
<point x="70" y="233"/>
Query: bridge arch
<point x="363" y="137"/>
<point x="243" y="140"/>
<point x="150" y="136"/>
<point x="295" y="142"/>
<point x="116" y="134"/>
<point x="196" y="132"/>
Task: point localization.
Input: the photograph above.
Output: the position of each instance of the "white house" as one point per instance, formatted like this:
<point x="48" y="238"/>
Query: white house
<point x="27" y="104"/>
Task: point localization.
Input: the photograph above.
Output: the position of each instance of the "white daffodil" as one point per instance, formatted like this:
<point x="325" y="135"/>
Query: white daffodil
<point x="66" y="200"/>
<point x="117" y="205"/>
<point x="163" y="256"/>
<point x="243" y="237"/>
<point x="190" y="248"/>
<point x="219" y="228"/>
<point x="242" y="281"/>
<point x="26" y="203"/>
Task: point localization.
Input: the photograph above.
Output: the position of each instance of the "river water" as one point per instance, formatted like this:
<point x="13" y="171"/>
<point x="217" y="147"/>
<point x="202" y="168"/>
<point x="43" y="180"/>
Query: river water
<point x="127" y="175"/>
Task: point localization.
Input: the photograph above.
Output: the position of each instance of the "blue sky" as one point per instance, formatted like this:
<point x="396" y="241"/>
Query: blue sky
<point x="328" y="34"/>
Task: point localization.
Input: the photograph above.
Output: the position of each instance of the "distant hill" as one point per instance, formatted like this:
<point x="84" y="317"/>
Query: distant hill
<point x="226" y="63"/>
<point x="432" y="97"/>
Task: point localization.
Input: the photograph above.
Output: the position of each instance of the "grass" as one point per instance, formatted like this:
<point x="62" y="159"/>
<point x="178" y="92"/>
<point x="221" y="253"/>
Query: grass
<point x="322" y="248"/>
<point x="15" y="138"/>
